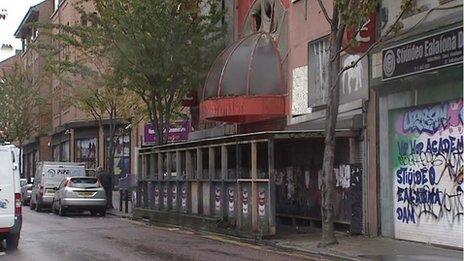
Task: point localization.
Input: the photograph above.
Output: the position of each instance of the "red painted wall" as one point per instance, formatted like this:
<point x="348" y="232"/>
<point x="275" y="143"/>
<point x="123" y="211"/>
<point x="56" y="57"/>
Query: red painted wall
<point x="302" y="31"/>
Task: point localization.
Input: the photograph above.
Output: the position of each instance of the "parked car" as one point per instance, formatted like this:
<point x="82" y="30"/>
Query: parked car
<point x="47" y="177"/>
<point x="10" y="196"/>
<point x="80" y="194"/>
<point x="26" y="192"/>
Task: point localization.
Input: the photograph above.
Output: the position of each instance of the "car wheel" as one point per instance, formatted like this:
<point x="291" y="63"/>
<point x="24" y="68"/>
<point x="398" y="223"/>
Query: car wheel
<point x="61" y="211"/>
<point x="12" y="241"/>
<point x="102" y="212"/>
<point x="93" y="212"/>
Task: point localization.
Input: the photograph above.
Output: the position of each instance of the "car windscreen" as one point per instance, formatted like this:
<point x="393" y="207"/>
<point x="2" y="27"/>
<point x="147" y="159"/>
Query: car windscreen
<point x="84" y="182"/>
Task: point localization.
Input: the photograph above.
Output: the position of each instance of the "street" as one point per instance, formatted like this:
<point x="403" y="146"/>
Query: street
<point x="46" y="236"/>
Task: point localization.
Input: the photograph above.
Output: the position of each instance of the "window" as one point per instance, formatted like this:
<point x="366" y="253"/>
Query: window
<point x="64" y="151"/>
<point x="318" y="52"/>
<point x="86" y="151"/>
<point x="56" y="152"/>
<point x="121" y="155"/>
<point x="61" y="152"/>
<point x="84" y="182"/>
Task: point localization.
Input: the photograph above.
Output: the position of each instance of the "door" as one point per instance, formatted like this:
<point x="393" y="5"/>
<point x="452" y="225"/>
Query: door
<point x="7" y="193"/>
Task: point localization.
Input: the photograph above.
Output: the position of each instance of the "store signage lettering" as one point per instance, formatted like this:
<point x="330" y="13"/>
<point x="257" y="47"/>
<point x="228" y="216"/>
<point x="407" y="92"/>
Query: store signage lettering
<point x="432" y="52"/>
<point x="178" y="131"/>
<point x="362" y="38"/>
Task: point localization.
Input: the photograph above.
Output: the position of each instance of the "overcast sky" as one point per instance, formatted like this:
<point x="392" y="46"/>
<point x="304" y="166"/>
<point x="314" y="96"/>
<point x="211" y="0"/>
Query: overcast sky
<point x="16" y="10"/>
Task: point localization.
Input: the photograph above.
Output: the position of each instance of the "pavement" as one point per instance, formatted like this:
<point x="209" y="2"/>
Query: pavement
<point x="46" y="236"/>
<point x="365" y="248"/>
<point x="120" y="212"/>
<point x="350" y="247"/>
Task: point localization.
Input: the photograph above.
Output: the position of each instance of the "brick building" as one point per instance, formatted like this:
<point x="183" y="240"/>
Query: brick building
<point x="65" y="132"/>
<point x="37" y="146"/>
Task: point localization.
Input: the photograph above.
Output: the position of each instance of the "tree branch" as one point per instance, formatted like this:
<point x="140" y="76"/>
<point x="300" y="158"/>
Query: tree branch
<point x="379" y="41"/>
<point x="324" y="11"/>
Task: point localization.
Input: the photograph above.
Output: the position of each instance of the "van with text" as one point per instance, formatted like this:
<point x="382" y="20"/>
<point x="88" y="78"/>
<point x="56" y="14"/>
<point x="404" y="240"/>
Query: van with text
<point x="10" y="196"/>
<point x="48" y="177"/>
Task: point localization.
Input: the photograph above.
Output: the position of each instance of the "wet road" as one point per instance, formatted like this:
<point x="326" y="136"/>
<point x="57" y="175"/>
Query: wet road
<point x="46" y="236"/>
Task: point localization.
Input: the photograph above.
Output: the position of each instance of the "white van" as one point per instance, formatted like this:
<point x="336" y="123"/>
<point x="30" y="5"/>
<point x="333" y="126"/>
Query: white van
<point x="10" y="196"/>
<point x="47" y="178"/>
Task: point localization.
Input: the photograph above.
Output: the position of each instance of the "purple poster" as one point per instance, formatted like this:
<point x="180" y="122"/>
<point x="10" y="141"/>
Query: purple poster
<point x="178" y="131"/>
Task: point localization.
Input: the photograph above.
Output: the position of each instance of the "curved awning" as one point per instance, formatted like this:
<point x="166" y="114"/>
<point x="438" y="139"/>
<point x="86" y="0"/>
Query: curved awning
<point x="245" y="83"/>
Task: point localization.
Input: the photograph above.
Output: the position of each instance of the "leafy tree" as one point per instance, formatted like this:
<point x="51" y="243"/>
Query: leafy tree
<point x="89" y="81"/>
<point x="345" y="14"/>
<point x="19" y="103"/>
<point x="161" y="49"/>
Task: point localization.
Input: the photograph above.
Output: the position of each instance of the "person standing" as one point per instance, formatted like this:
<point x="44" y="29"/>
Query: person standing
<point x="105" y="179"/>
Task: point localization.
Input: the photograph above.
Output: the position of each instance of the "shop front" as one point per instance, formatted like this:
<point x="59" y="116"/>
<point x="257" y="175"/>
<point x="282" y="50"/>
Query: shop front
<point x="420" y="133"/>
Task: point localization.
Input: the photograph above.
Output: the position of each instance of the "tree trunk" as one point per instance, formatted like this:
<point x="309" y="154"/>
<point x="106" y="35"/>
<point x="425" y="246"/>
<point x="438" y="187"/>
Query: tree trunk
<point x="110" y="159"/>
<point x="328" y="184"/>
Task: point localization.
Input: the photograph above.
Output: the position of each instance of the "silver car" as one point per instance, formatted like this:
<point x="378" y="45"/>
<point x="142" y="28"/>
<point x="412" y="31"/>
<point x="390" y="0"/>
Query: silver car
<point x="26" y="193"/>
<point x="79" y="194"/>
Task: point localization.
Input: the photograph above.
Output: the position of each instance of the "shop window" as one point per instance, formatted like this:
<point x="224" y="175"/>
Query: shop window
<point x="56" y="153"/>
<point x="121" y="155"/>
<point x="86" y="151"/>
<point x="61" y="152"/>
<point x="64" y="151"/>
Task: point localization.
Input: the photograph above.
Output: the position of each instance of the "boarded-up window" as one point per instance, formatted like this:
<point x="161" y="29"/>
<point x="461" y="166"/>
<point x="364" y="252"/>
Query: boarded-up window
<point x="317" y="74"/>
